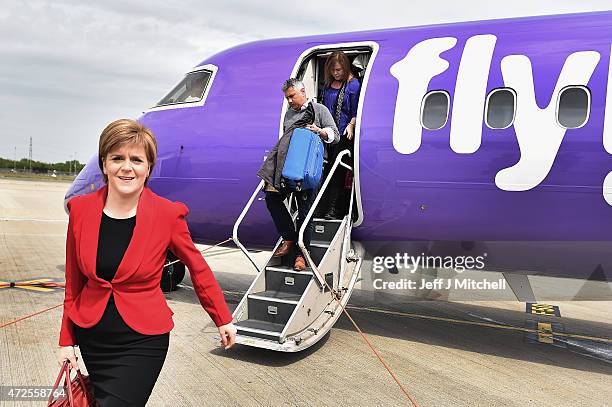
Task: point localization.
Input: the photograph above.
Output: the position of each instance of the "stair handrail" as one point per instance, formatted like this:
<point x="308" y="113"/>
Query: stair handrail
<point x="301" y="244"/>
<point x="239" y="221"/>
<point x="346" y="244"/>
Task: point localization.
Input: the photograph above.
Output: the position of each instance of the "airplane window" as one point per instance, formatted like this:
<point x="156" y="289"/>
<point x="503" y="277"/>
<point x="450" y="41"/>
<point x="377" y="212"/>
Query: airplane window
<point x="573" y="107"/>
<point x="500" y="108"/>
<point x="434" y="110"/>
<point x="190" y="89"/>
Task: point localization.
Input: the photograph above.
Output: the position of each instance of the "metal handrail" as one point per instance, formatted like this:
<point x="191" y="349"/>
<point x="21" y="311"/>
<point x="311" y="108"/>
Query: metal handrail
<point x="239" y="220"/>
<point x="314" y="268"/>
<point x="346" y="240"/>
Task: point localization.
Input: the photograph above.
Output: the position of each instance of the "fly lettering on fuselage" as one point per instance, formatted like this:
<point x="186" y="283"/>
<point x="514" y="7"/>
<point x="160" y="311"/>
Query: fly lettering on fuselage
<point x="538" y="134"/>
<point x="413" y="73"/>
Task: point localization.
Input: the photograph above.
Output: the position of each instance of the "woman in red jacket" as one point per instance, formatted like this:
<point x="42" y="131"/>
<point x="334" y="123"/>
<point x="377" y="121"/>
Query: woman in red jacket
<point x="116" y="244"/>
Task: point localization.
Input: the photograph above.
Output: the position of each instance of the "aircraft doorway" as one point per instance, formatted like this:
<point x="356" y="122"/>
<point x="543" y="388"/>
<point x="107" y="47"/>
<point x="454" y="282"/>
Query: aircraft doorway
<point x="310" y="69"/>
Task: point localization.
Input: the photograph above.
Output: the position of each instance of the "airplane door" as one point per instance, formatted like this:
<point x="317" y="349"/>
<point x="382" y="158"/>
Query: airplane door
<point x="310" y="69"/>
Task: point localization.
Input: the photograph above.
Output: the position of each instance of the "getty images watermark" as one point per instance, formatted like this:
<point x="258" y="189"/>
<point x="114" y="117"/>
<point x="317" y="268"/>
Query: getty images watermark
<point x="404" y="262"/>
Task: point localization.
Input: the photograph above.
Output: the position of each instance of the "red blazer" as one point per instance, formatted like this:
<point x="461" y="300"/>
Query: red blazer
<point x="160" y="224"/>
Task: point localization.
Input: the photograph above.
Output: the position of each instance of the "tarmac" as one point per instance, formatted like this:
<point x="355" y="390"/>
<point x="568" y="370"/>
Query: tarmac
<point x="445" y="351"/>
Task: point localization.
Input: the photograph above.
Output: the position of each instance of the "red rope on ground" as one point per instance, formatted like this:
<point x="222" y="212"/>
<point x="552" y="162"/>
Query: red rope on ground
<point x="379" y="356"/>
<point x="30" y="315"/>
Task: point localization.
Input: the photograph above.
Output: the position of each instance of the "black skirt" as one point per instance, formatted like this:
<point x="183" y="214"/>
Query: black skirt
<point x="123" y="364"/>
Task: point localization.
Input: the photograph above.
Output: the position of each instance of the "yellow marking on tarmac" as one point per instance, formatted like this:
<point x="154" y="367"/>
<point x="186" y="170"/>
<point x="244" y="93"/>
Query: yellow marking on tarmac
<point x="40" y="280"/>
<point x="33" y="288"/>
<point x="37" y="281"/>
<point x="542" y="309"/>
<point x="25" y="285"/>
<point x="482" y="324"/>
<point x="545" y="332"/>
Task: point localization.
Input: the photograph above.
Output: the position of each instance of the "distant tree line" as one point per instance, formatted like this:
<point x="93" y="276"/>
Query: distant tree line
<point x="41" y="167"/>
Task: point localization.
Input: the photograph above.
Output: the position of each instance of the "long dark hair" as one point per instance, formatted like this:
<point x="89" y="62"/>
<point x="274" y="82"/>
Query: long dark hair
<point x="341" y="58"/>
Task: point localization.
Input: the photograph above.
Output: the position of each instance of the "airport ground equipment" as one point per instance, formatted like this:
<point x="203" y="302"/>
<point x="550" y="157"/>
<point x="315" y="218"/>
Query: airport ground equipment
<point x="287" y="310"/>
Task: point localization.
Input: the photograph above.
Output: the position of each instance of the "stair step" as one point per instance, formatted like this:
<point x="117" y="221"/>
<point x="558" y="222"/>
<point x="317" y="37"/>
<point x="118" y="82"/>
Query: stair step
<point x="327" y="220"/>
<point x="270" y="309"/>
<point x="259" y="329"/>
<point x="319" y="243"/>
<point x="272" y="299"/>
<point x="279" y="296"/>
<point x="317" y="252"/>
<point x="324" y="230"/>
<point x="287" y="269"/>
<point x="287" y="280"/>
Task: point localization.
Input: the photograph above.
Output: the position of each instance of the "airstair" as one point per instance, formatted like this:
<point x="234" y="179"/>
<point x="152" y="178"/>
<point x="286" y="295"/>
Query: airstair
<point x="287" y="310"/>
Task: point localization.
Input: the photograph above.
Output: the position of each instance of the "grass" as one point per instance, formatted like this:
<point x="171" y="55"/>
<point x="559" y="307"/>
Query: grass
<point x="26" y="176"/>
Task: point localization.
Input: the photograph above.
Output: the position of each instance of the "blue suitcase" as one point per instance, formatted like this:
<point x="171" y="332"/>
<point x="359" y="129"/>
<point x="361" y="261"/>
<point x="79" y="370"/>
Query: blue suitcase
<point x="304" y="163"/>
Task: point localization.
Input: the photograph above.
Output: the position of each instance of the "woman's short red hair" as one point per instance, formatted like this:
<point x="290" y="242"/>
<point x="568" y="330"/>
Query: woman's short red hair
<point x="127" y="131"/>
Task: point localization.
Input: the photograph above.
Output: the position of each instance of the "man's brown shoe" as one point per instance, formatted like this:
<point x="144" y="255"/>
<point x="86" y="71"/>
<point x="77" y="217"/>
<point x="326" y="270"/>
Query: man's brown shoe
<point x="300" y="264"/>
<point x="283" y="248"/>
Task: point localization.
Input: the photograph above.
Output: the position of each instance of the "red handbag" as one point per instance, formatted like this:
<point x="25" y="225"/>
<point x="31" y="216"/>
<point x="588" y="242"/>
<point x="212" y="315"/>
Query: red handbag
<point x="77" y="392"/>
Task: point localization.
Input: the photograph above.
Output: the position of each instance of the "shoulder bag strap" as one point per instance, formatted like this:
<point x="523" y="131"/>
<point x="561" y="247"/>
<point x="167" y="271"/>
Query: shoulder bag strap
<point x="339" y="104"/>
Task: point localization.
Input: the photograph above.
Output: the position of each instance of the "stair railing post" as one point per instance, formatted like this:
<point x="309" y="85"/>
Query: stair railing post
<point x="239" y="221"/>
<point x="301" y="244"/>
<point x="346" y="241"/>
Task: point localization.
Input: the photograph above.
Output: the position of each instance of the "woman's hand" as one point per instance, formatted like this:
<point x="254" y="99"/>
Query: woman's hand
<point x="349" y="132"/>
<point x="67" y="353"/>
<point x="228" y="335"/>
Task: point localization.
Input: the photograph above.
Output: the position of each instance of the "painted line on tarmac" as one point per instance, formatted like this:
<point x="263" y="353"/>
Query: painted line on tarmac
<point x="461" y="321"/>
<point x="482" y="324"/>
<point x="32" y="220"/>
<point x="542" y="309"/>
<point x="34" y="234"/>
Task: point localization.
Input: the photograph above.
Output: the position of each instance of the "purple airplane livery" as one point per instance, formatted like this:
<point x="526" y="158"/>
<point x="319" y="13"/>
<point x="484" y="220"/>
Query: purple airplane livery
<point x="489" y="137"/>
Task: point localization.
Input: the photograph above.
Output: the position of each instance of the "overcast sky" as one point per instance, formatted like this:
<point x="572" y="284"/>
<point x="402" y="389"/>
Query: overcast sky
<point x="69" y="68"/>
